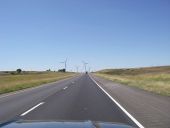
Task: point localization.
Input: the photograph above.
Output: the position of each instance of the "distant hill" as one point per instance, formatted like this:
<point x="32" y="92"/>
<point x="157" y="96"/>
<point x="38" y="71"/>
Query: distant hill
<point x="136" y="71"/>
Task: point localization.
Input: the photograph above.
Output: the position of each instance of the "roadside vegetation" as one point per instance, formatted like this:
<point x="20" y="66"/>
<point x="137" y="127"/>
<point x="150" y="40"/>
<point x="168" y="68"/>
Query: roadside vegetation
<point x="13" y="81"/>
<point x="153" y="79"/>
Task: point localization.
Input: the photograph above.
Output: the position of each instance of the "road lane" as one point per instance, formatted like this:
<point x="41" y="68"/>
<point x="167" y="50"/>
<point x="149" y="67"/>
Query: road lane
<point x="13" y="104"/>
<point x="83" y="100"/>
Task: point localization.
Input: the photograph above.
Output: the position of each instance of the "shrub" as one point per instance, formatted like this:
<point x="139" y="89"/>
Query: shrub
<point x="18" y="71"/>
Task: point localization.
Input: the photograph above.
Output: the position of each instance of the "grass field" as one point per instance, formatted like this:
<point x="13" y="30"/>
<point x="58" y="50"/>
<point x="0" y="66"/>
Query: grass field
<point x="153" y="79"/>
<point x="9" y="83"/>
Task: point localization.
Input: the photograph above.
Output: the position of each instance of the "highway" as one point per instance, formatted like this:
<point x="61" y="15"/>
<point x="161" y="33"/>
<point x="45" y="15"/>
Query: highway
<point x="87" y="97"/>
<point x="77" y="98"/>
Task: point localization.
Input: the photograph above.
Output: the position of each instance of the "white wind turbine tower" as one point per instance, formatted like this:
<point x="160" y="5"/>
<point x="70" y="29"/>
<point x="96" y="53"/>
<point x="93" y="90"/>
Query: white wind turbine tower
<point x="77" y="68"/>
<point x="65" y="64"/>
<point x="85" y="64"/>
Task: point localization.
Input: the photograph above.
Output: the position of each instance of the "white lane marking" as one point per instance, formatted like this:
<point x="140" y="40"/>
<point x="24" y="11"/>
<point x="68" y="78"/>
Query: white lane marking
<point x="123" y="109"/>
<point x="23" y="114"/>
<point x="65" y="87"/>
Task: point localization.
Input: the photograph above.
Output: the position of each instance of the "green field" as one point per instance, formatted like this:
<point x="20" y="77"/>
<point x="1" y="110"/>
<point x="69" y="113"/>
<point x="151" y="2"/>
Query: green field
<point x="9" y="82"/>
<point x="153" y="79"/>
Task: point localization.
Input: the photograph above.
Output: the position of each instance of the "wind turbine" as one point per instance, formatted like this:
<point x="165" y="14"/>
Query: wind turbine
<point x="65" y="63"/>
<point x="85" y="64"/>
<point x="77" y="68"/>
<point x="89" y="69"/>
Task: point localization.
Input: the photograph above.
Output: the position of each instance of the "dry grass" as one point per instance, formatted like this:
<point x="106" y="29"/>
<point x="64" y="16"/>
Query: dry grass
<point x="9" y="83"/>
<point x="150" y="79"/>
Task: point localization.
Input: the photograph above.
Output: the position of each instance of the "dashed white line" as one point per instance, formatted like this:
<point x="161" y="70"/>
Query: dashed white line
<point x="65" y="87"/>
<point x="23" y="114"/>
<point x="123" y="109"/>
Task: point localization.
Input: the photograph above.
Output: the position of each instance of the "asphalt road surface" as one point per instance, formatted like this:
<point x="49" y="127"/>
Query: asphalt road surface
<point x="77" y="98"/>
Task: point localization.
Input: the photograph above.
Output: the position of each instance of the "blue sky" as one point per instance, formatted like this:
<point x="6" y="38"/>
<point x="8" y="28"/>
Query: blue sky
<point x="39" y="34"/>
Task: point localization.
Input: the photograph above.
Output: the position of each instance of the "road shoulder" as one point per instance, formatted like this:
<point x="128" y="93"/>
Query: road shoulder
<point x="149" y="109"/>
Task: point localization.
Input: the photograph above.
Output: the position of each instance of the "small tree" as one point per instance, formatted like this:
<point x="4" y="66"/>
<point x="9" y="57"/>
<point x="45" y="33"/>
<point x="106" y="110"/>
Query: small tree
<point x="19" y="71"/>
<point x="62" y="70"/>
<point x="48" y="70"/>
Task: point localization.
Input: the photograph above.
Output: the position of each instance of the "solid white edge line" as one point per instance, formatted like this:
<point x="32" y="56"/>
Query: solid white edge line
<point x="123" y="109"/>
<point x="23" y="114"/>
<point x="65" y="87"/>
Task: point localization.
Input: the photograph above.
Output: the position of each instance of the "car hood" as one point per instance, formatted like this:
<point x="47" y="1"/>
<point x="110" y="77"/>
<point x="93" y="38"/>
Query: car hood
<point x="62" y="124"/>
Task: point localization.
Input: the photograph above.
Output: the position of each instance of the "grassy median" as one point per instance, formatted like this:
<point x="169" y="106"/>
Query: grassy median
<point x="13" y="82"/>
<point x="153" y="79"/>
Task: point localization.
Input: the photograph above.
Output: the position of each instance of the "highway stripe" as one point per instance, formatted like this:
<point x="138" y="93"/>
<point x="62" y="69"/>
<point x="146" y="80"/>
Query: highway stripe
<point x="65" y="87"/>
<point x="123" y="109"/>
<point x="23" y="114"/>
